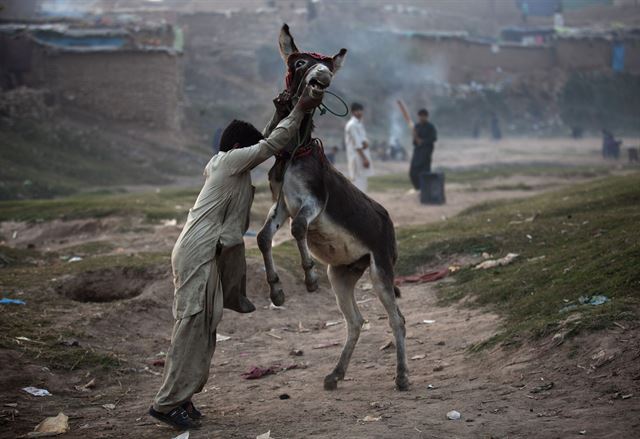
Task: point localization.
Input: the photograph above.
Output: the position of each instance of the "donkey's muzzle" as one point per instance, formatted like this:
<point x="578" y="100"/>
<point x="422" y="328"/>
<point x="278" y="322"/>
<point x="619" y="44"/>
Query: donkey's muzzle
<point x="318" y="79"/>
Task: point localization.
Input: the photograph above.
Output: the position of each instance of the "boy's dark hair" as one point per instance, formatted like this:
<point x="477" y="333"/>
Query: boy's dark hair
<point x="423" y="112"/>
<point x="356" y="106"/>
<point x="239" y="134"/>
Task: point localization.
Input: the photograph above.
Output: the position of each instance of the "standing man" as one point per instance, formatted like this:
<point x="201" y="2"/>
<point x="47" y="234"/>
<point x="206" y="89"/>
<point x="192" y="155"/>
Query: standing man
<point x="424" y="139"/>
<point x="357" y="146"/>
<point x="496" y="132"/>
<point x="209" y="269"/>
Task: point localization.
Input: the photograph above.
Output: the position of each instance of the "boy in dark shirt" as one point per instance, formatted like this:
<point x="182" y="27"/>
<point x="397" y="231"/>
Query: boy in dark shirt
<point x="424" y="138"/>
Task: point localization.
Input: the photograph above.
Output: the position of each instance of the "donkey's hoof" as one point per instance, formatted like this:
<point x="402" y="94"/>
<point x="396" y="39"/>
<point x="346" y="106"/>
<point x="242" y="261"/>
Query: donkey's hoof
<point x="312" y="287"/>
<point x="330" y="382"/>
<point x="311" y="281"/>
<point x="277" y="297"/>
<point x="402" y="384"/>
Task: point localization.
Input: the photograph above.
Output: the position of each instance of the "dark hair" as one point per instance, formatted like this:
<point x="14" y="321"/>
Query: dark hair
<point x="356" y="106"/>
<point x="239" y="133"/>
<point x="423" y="112"/>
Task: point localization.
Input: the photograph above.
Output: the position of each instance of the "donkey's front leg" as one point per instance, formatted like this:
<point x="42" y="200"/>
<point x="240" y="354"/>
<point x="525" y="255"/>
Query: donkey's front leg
<point x="299" y="227"/>
<point x="277" y="216"/>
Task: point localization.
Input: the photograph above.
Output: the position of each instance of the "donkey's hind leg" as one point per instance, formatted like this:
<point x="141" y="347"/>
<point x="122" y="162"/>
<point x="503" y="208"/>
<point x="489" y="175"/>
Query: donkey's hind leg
<point x="299" y="227"/>
<point x="343" y="279"/>
<point x="382" y="276"/>
<point x="277" y="216"/>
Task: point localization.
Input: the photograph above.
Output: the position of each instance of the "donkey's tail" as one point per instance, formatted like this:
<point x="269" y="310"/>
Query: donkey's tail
<point x="397" y="291"/>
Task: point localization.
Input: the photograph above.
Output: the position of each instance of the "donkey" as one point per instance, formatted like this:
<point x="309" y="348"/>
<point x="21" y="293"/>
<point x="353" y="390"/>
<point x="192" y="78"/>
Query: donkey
<point x="330" y="218"/>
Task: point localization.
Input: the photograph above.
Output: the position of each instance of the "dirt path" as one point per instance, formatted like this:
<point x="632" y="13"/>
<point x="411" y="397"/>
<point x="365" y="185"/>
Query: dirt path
<point x="492" y="390"/>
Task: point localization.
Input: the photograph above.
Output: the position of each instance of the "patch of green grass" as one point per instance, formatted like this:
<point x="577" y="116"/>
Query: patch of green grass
<point x="487" y="172"/>
<point x="586" y="239"/>
<point x="390" y="182"/>
<point x="90" y="248"/>
<point x="45" y="345"/>
<point x="48" y="350"/>
<point x="46" y="160"/>
<point x="502" y="187"/>
<point x="164" y="204"/>
<point x="36" y="270"/>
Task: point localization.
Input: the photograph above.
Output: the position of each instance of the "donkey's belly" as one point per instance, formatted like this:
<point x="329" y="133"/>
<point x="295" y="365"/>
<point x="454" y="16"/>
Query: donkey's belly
<point x="332" y="244"/>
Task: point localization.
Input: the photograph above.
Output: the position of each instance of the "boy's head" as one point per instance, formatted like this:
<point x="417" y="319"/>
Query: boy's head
<point x="239" y="134"/>
<point x="357" y="109"/>
<point x="423" y="115"/>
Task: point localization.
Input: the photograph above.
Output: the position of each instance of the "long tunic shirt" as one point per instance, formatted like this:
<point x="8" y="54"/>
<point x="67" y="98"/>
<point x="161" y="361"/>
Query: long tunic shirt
<point x="354" y="136"/>
<point x="220" y="216"/>
<point x="427" y="134"/>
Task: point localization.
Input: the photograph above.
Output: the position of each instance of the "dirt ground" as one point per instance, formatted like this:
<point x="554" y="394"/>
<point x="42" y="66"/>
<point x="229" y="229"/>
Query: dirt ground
<point x="498" y="393"/>
<point x="552" y="388"/>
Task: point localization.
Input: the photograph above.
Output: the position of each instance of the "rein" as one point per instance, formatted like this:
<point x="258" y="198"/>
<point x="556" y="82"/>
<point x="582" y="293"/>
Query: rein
<point x="305" y="149"/>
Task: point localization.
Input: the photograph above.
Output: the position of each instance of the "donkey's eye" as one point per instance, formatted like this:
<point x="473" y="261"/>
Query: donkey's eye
<point x="300" y="63"/>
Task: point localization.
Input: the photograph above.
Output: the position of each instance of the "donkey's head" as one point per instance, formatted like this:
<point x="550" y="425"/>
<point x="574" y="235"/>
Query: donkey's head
<point x="307" y="68"/>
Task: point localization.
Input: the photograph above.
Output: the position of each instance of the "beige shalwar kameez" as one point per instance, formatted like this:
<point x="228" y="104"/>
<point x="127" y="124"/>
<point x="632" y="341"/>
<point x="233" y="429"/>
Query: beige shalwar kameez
<point x="207" y="252"/>
<point x="354" y="137"/>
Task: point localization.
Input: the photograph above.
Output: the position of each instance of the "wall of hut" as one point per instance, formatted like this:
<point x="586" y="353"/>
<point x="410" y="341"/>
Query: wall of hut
<point x="463" y="61"/>
<point x="141" y="87"/>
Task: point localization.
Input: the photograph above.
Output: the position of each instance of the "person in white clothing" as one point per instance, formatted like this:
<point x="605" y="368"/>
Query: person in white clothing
<point x="357" y="146"/>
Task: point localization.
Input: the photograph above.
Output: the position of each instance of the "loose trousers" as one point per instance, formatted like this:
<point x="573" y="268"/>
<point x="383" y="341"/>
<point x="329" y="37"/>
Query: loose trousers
<point x="420" y="163"/>
<point x="193" y="342"/>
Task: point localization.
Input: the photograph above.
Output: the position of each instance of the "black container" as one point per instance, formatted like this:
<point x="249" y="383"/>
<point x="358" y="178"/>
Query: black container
<point x="432" y="188"/>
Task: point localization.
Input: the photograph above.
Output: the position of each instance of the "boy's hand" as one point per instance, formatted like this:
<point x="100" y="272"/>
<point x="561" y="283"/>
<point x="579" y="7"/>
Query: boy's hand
<point x="282" y="103"/>
<point x="307" y="103"/>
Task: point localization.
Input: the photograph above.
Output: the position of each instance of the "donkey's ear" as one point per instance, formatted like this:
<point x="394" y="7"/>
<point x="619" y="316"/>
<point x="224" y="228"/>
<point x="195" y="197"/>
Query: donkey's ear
<point x="287" y="46"/>
<point x="338" y="60"/>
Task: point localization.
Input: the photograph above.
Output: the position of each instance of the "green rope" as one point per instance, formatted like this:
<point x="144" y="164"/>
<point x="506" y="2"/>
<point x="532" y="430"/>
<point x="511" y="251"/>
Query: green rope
<point x="324" y="109"/>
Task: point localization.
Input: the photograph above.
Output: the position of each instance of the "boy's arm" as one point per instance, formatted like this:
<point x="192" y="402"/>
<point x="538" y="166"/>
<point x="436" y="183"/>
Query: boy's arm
<point x="244" y="159"/>
<point x="275" y="119"/>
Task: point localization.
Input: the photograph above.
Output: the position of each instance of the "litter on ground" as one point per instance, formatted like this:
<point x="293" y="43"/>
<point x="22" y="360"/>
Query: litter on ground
<point x="87" y="387"/>
<point x="542" y="388"/>
<point x="326" y="345"/>
<point x="51" y="426"/>
<point x="36" y="392"/>
<point x="593" y="300"/>
<point x="585" y="300"/>
<point x="431" y="276"/>
<point x="492" y="263"/>
<point x="453" y="415"/>
<point x="7" y="301"/>
<point x="257" y="372"/>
